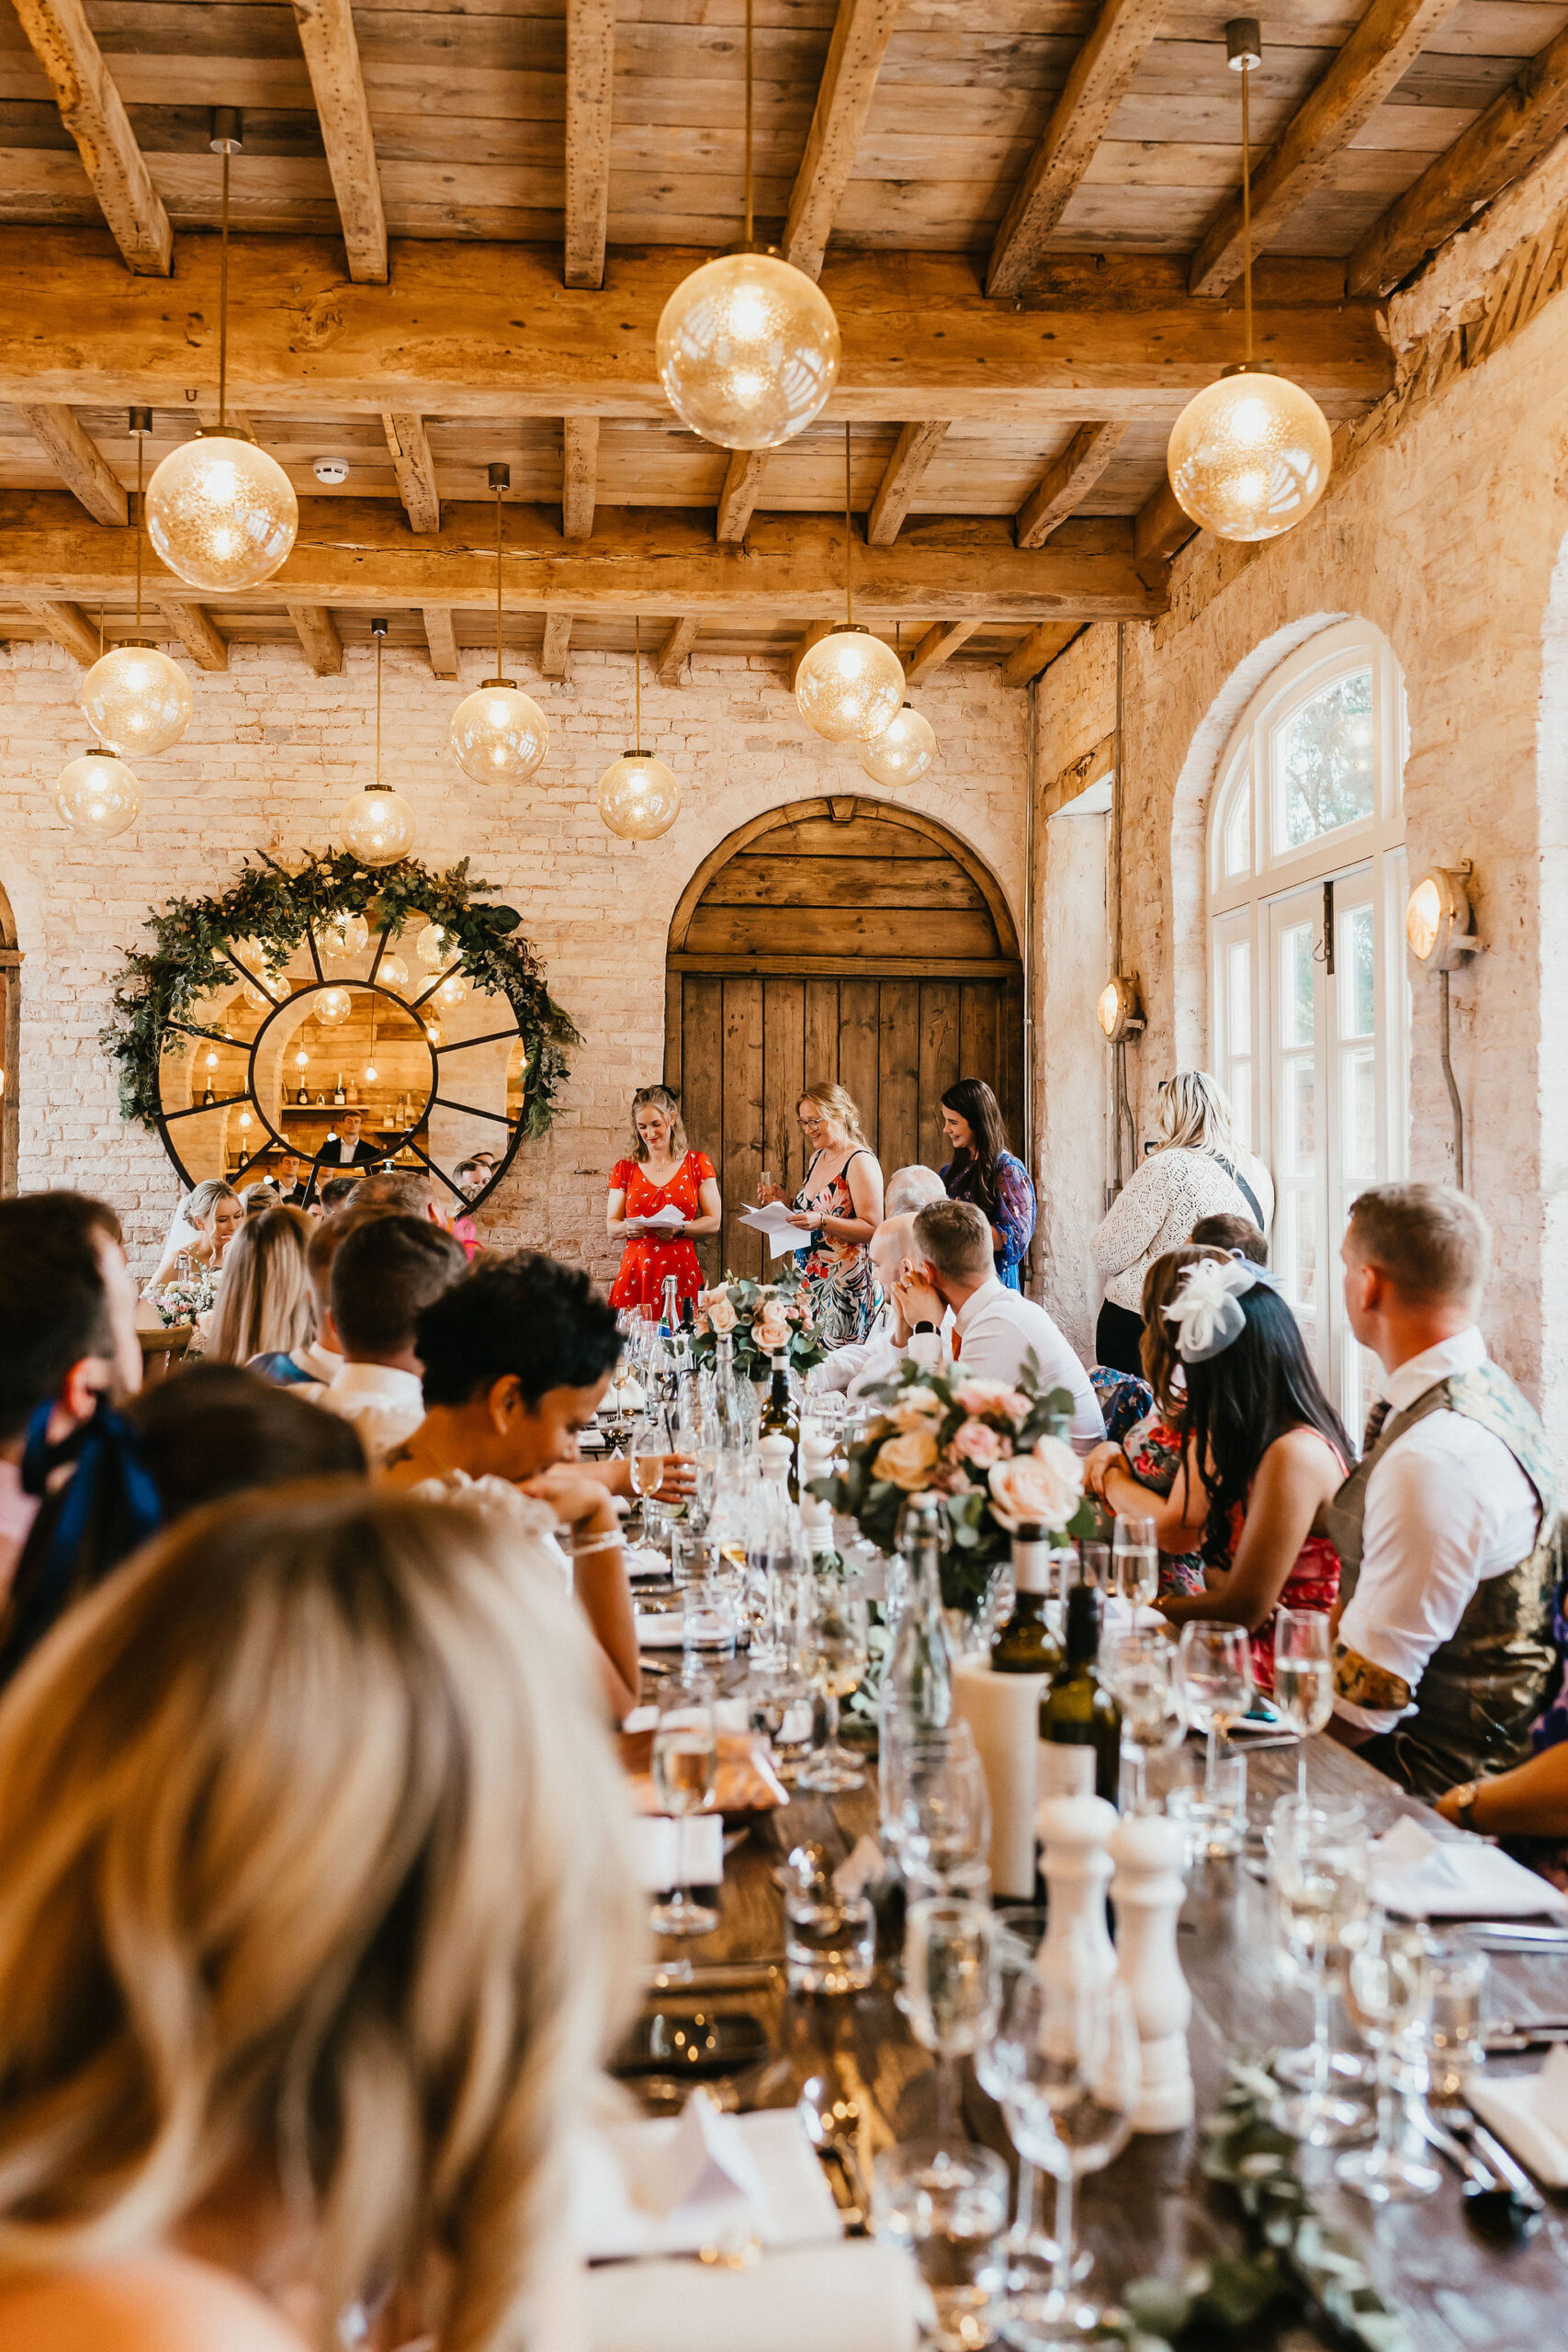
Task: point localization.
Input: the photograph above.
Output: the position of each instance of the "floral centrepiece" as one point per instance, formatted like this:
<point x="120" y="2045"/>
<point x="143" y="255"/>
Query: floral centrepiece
<point x="763" y="1319"/>
<point x="988" y="1448"/>
<point x="183" y="1302"/>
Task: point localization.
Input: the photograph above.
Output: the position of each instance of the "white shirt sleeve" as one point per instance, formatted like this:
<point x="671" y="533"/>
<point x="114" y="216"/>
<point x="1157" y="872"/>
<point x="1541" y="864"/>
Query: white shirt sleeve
<point x="925" y="1349"/>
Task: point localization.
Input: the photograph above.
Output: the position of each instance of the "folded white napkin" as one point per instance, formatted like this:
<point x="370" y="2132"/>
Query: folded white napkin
<point x="688" y="1852"/>
<point x="1423" y="1877"/>
<point x="705" y="2180"/>
<point x="855" y="2297"/>
<point x="664" y="1632"/>
<point x="1529" y="2115"/>
<point x="642" y="1560"/>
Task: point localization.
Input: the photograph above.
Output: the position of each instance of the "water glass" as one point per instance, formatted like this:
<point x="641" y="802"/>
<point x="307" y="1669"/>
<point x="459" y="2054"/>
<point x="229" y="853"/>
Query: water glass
<point x="950" y="1990"/>
<point x="697" y="1556"/>
<point x="946" y="2208"/>
<point x="1389" y="1998"/>
<point x="1028" y="2255"/>
<point x="829" y="1939"/>
<point x="942" y="1817"/>
<point x="1140" y="1667"/>
<point x="709" y="1620"/>
<point x="1215" y="1665"/>
<point x="1212" y="1813"/>
<point x="650" y="1444"/>
<point x="1134" y="1561"/>
<point x="1455" y="2046"/>
<point x="834" y="1648"/>
<point x="1094" y="1566"/>
<point x="779" y="1705"/>
<point x="1320" y="1868"/>
<point x="1304" y="1677"/>
<point x="685" y="1774"/>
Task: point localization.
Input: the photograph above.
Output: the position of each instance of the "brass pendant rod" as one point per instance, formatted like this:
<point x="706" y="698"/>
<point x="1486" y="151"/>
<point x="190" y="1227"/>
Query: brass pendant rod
<point x="636" y="681"/>
<point x="140" y="453"/>
<point x="377" y="710"/>
<point x="849" y="608"/>
<point x="223" y="306"/>
<point x="1246" y="215"/>
<point x="751" y="183"/>
<point x="498" y="661"/>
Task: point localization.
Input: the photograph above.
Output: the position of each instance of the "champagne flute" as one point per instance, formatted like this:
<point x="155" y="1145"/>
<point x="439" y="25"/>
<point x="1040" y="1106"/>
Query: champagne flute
<point x="1141" y="1668"/>
<point x="685" y="1773"/>
<point x="650" y="1444"/>
<point x="950" y="1990"/>
<point x="1389" y="1997"/>
<point x="835" y="1637"/>
<point x="1134" y="1560"/>
<point x="1321" y="1870"/>
<point x="1303" y="1678"/>
<point x="943" y="1811"/>
<point x="1215" y="1665"/>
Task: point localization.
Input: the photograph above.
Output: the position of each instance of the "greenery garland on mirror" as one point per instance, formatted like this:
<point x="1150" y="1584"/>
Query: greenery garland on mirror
<point x="277" y="906"/>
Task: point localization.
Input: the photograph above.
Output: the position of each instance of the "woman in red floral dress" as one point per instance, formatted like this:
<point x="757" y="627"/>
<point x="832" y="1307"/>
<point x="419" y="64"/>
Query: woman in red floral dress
<point x="661" y="1173"/>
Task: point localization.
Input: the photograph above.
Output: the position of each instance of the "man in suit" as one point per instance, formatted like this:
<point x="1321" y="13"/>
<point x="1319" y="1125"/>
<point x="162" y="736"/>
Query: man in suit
<point x="293" y="1189"/>
<point x="342" y="1149"/>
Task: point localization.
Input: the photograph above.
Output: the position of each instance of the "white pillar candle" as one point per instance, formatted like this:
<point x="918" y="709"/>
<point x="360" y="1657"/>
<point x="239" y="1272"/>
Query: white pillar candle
<point x="1003" y="1713"/>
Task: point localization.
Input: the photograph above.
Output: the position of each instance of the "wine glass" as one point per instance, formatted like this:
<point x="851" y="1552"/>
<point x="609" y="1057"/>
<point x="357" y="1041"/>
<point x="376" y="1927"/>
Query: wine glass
<point x="1134" y="1561"/>
<point x="1389" y="1998"/>
<point x="1304" y="1677"/>
<point x="1028" y="2255"/>
<point x="951" y="1989"/>
<point x="685" y="1773"/>
<point x="1066" y="2054"/>
<point x="1321" y="1870"/>
<point x="1215" y="1666"/>
<point x="650" y="1444"/>
<point x="1141" y="1668"/>
<point x="834" y="1649"/>
<point x="943" y="1811"/>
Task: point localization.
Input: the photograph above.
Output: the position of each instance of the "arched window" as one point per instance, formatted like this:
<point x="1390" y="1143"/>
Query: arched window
<point x="1308" y="1002"/>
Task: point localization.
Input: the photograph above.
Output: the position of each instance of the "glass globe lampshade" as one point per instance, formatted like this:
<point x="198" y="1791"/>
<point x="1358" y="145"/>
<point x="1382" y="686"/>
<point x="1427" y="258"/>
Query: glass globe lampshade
<point x="903" y="751"/>
<point x="850" y="683"/>
<point x="1249" y="456"/>
<point x="499" y="734"/>
<point x="98" y="796"/>
<point x="392" y="973"/>
<point x="452" y="991"/>
<point x="433" y="948"/>
<point x="222" y="513"/>
<point x="747" y="350"/>
<point x="136" y="699"/>
<point x="333" y="1007"/>
<point x="379" y="826"/>
<point x="639" y="797"/>
<point x="343" y="936"/>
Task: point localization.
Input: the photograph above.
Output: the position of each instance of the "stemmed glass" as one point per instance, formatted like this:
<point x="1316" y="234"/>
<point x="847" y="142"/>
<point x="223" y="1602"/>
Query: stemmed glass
<point x="1215" y="1665"/>
<point x="1066" y="2054"/>
<point x="1134" y="1561"/>
<point x="1028" y="2254"/>
<point x="1303" y="1678"/>
<point x="685" y="1773"/>
<point x="1140" y="1668"/>
<point x="1389" y="1997"/>
<point x="950" y="1991"/>
<point x="834" y="1650"/>
<point x="1319" y="1864"/>
<point x="649" y="1445"/>
<point x="941" y="1810"/>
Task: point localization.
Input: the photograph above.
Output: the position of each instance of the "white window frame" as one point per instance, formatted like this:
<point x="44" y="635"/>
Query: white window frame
<point x="1243" y="1053"/>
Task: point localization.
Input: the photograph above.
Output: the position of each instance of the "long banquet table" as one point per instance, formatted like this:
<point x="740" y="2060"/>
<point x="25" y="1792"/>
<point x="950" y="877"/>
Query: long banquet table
<point x="1152" y="2212"/>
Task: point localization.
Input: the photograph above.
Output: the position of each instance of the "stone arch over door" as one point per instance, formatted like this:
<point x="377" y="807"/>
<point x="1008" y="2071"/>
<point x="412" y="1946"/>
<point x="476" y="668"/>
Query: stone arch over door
<point x="838" y="939"/>
<point x="10" y="1042"/>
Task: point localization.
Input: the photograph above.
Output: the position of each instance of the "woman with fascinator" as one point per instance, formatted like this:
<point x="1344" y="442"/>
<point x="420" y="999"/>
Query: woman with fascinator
<point x="1266" y="1452"/>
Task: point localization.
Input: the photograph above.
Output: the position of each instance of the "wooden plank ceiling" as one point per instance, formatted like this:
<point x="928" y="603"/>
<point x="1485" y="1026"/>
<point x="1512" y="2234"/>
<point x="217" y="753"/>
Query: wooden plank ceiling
<point x="1025" y="212"/>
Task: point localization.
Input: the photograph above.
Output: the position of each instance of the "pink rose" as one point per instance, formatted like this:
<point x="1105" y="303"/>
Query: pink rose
<point x="770" y="1331"/>
<point x="906" y="1460"/>
<point x="976" y="1443"/>
<point x="992" y="1397"/>
<point x="1040" y="1490"/>
<point x="721" y="1315"/>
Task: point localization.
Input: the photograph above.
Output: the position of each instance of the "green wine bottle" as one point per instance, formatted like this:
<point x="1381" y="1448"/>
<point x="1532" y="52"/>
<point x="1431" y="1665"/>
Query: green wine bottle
<point x="1080" y="1723"/>
<point x="1026" y="1644"/>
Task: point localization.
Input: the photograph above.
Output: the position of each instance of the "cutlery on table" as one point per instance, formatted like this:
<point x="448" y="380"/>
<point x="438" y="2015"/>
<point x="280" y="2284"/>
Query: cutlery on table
<point x="1490" y="2149"/>
<point x="1492" y="2202"/>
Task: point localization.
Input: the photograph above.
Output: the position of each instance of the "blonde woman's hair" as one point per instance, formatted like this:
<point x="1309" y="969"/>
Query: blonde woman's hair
<point x="314" y="1852"/>
<point x="264" y="1296"/>
<point x="1195" y="1115"/>
<point x="207" y="1196"/>
<point x="662" y="1100"/>
<point x="839" y="1108"/>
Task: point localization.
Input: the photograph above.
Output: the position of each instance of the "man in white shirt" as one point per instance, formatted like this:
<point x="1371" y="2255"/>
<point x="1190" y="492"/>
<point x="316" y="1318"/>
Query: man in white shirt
<point x="387" y="1271"/>
<point x="1445" y="1527"/>
<point x="344" y="1149"/>
<point x="854" y="1369"/>
<point x="995" y="1329"/>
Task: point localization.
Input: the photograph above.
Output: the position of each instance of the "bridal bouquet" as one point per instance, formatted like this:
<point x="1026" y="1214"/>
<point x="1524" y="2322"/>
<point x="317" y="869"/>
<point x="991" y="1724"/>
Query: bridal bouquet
<point x="989" y="1452"/>
<point x="765" y="1319"/>
<point x="185" y="1302"/>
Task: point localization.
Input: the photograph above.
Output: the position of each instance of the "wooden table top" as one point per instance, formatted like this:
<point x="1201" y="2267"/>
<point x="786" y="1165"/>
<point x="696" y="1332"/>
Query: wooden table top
<point x="1152" y="2212"/>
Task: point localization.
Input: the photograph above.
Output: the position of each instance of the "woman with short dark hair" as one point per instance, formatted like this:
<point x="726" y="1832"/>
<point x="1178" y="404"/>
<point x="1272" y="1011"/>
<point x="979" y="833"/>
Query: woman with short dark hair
<point x="984" y="1170"/>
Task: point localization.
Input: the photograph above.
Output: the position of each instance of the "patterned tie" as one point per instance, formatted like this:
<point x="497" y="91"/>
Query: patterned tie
<point x="1375" y="1421"/>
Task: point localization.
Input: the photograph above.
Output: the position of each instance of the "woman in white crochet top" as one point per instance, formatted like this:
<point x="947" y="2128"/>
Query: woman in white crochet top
<point x="1195" y="1169"/>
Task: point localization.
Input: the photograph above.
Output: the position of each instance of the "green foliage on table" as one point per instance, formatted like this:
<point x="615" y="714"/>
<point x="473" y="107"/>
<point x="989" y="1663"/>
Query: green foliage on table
<point x="186" y="963"/>
<point x="750" y="1298"/>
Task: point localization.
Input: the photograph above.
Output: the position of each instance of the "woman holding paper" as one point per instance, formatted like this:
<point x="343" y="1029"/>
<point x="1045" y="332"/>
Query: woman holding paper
<point x="837" y="1209"/>
<point x="659" y="1198"/>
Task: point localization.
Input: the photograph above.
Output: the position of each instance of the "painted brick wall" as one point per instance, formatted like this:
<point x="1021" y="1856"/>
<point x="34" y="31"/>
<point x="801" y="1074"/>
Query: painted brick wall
<point x="273" y="752"/>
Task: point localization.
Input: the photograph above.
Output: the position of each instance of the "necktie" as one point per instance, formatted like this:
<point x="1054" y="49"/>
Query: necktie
<point x="1375" y="1421"/>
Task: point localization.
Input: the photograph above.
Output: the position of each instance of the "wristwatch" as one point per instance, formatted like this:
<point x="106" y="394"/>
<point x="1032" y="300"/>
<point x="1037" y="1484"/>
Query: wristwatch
<point x="923" y="1326"/>
<point x="1463" y="1800"/>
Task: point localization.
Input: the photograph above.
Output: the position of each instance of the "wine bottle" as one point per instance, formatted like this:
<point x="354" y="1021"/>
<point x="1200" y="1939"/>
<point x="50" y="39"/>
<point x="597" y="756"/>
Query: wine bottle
<point x="670" y="1312"/>
<point x="338" y="1095"/>
<point x="1080" y="1723"/>
<point x="918" y="1685"/>
<point x="303" y="1097"/>
<point x="209" y="1096"/>
<point x="353" y="1090"/>
<point x="736" y="1423"/>
<point x="1026" y="1644"/>
<point x="779" y="1420"/>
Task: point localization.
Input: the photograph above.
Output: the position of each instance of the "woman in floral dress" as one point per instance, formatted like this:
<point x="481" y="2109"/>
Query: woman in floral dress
<point x="660" y="1173"/>
<point x="1143" y="1417"/>
<point x="984" y="1170"/>
<point x="839" y="1206"/>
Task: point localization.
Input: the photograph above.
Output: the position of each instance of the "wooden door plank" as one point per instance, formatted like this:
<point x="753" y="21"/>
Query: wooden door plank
<point x="786" y="964"/>
<point x="1009" y="1093"/>
<point x="855" y="934"/>
<point x="978" y="1031"/>
<point x="899" y="1075"/>
<point x="743" y="1119"/>
<point x="821" y="1050"/>
<point x="820" y="837"/>
<point x="784" y="1066"/>
<point x="748" y="881"/>
<point x="940" y="1033"/>
<point x="859" y="1048"/>
<point x="702" y="1091"/>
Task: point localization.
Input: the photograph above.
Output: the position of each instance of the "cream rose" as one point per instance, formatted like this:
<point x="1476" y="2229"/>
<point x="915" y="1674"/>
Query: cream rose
<point x="917" y="1409"/>
<point x="907" y="1460"/>
<point x="721" y="1315"/>
<point x="770" y="1331"/>
<point x="1040" y="1490"/>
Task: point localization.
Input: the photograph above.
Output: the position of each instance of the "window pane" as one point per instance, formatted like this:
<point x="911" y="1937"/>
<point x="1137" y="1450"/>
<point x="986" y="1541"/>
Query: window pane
<point x="1296" y="1240"/>
<point x="1238" y="1086"/>
<point x="1237" y="842"/>
<point x="1296" y="984"/>
<point x="1358" y="1111"/>
<point x="1239" y="996"/>
<point x="1326" y="757"/>
<point x="1357" y="974"/>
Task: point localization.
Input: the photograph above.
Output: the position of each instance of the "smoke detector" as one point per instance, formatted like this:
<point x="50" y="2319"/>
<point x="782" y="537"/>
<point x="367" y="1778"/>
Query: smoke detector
<point x="331" y="470"/>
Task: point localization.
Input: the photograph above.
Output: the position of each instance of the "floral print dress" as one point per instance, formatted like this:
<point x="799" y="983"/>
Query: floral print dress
<point x="837" y="1273"/>
<point x="1014" y="1214"/>
<point x="1153" y="1448"/>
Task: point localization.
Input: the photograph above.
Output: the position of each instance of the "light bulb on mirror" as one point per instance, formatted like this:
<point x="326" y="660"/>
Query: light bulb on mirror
<point x="849" y="684"/>
<point x="435" y="947"/>
<point x="379" y="826"/>
<point x="333" y="1007"/>
<point x="343" y="935"/>
<point x="1249" y="457"/>
<point x="136" y="699"/>
<point x="98" y="796"/>
<point x="747" y="350"/>
<point x="371" y="1073"/>
<point x="499" y="735"/>
<point x="222" y="514"/>
<point x="211" y="1058"/>
<point x="639" y="797"/>
<point x="452" y="991"/>
<point x="392" y="973"/>
<point x="904" y="750"/>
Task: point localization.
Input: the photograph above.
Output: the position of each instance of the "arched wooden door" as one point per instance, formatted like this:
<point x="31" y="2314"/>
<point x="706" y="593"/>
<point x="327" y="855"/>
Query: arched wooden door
<point x="836" y="939"/>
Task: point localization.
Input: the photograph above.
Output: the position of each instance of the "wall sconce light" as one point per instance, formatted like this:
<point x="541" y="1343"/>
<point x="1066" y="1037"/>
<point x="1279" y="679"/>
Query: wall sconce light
<point x="1439" y="926"/>
<point x="1119" y="1010"/>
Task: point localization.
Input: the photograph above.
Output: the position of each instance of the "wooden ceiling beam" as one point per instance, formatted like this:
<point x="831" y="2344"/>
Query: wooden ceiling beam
<point x="94" y="113"/>
<point x="331" y="59"/>
<point x="1161" y="525"/>
<point x="590" y="93"/>
<point x="407" y="444"/>
<point x="355" y="554"/>
<point x="941" y="641"/>
<point x="737" y="499"/>
<point x="1097" y="82"/>
<point x="670" y="658"/>
<point x="78" y="461"/>
<point x="192" y="626"/>
<point x="68" y="626"/>
<point x="441" y="637"/>
<point x="862" y="31"/>
<point x="912" y="452"/>
<point x="1067" y="483"/>
<point x="1040" y="647"/>
<point x="1115" y="335"/>
<point x="1515" y="131"/>
<point x="580" y="475"/>
<point x="319" y="639"/>
<point x="1377" y="57"/>
<point x="557" y="644"/>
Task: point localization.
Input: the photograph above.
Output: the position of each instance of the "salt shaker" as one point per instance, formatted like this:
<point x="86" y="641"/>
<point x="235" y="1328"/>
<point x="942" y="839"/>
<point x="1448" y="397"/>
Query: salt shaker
<point x="1147" y="1850"/>
<point x="816" y="1461"/>
<point x="1075" y="1833"/>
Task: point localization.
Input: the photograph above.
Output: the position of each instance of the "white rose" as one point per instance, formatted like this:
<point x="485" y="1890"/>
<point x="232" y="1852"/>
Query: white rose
<point x="1040" y="1490"/>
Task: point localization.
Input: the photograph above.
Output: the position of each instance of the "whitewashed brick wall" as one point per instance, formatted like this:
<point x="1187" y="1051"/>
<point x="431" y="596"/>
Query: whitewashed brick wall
<point x="273" y="752"/>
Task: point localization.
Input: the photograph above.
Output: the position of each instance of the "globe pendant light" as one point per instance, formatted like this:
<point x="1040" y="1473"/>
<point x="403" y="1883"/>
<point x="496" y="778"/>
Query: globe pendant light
<point x="377" y="824"/>
<point x="747" y="345"/>
<point x="435" y="949"/>
<point x="135" y="698"/>
<point x="392" y="973"/>
<point x="499" y="735"/>
<point x="343" y="935"/>
<point x="904" y="750"/>
<point x="850" y="683"/>
<point x="97" y="795"/>
<point x="333" y="1007"/>
<point x="1250" y="456"/>
<point x="639" y="797"/>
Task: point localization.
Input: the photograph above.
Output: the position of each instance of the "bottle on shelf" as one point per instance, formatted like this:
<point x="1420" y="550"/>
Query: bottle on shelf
<point x="353" y="1090"/>
<point x="917" y="1686"/>
<point x="338" y="1095"/>
<point x="779" y="1419"/>
<point x="208" y="1095"/>
<point x="1080" y="1723"/>
<point x="1025" y="1644"/>
<point x="303" y="1097"/>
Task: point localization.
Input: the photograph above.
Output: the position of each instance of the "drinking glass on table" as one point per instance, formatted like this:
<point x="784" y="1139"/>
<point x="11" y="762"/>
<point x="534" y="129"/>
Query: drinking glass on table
<point x="1134" y="1561"/>
<point x="708" y="1620"/>
<point x="941" y="1813"/>
<point x="1389" y="1997"/>
<point x="1140" y="1666"/>
<point x="685" y="1775"/>
<point x="650" y="1444"/>
<point x="1304" y="1677"/>
<point x="950" y="1990"/>
<point x="1215" y="1666"/>
<point x="1028" y="2255"/>
<point x="1319" y="1864"/>
<point x="834" y="1650"/>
